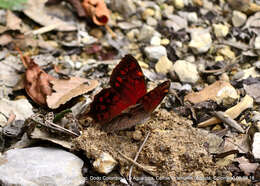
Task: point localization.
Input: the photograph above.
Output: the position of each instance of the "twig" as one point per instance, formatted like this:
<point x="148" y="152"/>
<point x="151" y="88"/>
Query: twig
<point x="137" y="155"/>
<point x="229" y="121"/>
<point x="55" y="127"/>
<point x="113" y="34"/>
<point x="44" y="29"/>
<point x="233" y="112"/>
<point x="148" y="169"/>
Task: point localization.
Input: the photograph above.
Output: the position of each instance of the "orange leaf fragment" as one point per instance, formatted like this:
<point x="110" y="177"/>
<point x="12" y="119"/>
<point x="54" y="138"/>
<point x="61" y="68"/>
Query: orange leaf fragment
<point x="68" y="89"/>
<point x="97" y="10"/>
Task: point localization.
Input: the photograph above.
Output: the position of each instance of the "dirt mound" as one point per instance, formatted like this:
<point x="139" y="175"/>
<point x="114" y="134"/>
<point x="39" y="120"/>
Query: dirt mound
<point x="174" y="147"/>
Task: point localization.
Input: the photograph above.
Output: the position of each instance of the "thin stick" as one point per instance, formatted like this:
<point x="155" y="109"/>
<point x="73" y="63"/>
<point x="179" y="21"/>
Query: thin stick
<point x="55" y="127"/>
<point x="148" y="169"/>
<point x="229" y="121"/>
<point x="113" y="34"/>
<point x="137" y="155"/>
<point x="44" y="29"/>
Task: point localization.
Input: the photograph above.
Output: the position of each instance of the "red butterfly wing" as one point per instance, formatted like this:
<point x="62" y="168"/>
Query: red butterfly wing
<point x="128" y="79"/>
<point x="141" y="111"/>
<point x="153" y="98"/>
<point x="127" y="87"/>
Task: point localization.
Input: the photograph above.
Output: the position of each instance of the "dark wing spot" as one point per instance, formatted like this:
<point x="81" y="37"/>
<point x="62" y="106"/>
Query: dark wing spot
<point x="101" y="99"/>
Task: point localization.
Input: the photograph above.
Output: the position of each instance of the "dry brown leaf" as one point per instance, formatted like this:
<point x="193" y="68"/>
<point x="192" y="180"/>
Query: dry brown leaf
<point x="215" y="92"/>
<point x="36" y="81"/>
<point x="246" y="166"/>
<point x="44" y="89"/>
<point x="68" y="89"/>
<point x="97" y="10"/>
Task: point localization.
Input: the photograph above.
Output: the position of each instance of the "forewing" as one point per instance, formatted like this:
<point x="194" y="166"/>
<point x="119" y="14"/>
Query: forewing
<point x="106" y="105"/>
<point x="127" y="87"/>
<point x="128" y="80"/>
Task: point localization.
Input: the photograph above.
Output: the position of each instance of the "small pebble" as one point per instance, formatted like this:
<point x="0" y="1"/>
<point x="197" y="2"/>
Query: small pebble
<point x="238" y="18"/>
<point x="187" y="72"/>
<point x="155" y="52"/>
<point x="163" y="65"/>
<point x="200" y="40"/>
<point x="257" y="42"/>
<point x="220" y="30"/>
<point x="137" y="135"/>
<point x="179" y="4"/>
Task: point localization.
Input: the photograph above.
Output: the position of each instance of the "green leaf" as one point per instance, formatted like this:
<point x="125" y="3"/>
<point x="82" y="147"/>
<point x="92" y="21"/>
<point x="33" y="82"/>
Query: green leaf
<point x="12" y="4"/>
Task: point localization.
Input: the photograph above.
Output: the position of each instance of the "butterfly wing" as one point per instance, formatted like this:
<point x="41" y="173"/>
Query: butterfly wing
<point x="127" y="79"/>
<point x="141" y="111"/>
<point x="127" y="87"/>
<point x="153" y="98"/>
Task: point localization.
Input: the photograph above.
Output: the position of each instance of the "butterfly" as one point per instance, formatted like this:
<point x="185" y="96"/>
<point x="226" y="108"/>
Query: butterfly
<point x="126" y="102"/>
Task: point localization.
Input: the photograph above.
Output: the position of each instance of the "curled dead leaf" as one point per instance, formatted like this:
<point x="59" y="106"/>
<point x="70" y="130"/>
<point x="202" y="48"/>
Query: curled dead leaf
<point x="97" y="10"/>
<point x="36" y="81"/>
<point x="44" y="89"/>
<point x="68" y="89"/>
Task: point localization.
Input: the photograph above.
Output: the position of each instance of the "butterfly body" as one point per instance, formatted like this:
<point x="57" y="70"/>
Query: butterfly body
<point x="126" y="102"/>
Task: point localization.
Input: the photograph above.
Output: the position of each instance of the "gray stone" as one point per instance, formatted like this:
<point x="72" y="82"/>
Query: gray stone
<point x="155" y="40"/>
<point x="40" y="166"/>
<point x="256" y="117"/>
<point x="155" y="52"/>
<point x="176" y="86"/>
<point x="256" y="146"/>
<point x="14" y="129"/>
<point x="200" y="40"/>
<point x="186" y="87"/>
<point x="257" y="65"/>
<point x="146" y="33"/>
<point x="190" y="16"/>
<point x="257" y="42"/>
<point x="126" y="8"/>
<point x="176" y="22"/>
<point x="187" y="72"/>
<point x="21" y="108"/>
<point x="151" y="21"/>
<point x="238" y="18"/>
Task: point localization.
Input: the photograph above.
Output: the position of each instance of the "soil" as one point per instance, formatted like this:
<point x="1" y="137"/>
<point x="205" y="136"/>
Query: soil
<point x="174" y="147"/>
